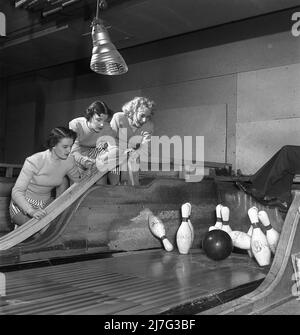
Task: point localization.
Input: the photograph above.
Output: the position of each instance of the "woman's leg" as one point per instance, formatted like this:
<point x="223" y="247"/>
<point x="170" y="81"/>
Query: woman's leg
<point x="20" y="218"/>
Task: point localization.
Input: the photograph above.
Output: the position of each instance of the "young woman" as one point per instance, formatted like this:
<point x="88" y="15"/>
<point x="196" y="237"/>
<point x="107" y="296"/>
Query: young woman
<point x="40" y="174"/>
<point x="133" y="128"/>
<point x="90" y="129"/>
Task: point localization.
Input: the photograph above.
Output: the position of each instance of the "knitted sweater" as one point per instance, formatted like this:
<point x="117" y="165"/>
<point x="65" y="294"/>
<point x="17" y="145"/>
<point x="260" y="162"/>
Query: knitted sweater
<point x="127" y="134"/>
<point x="41" y="173"/>
<point x="87" y="138"/>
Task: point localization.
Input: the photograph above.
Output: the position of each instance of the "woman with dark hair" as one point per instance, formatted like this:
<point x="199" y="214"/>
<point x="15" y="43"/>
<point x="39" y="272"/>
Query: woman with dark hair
<point x="90" y="129"/>
<point x="41" y="173"/>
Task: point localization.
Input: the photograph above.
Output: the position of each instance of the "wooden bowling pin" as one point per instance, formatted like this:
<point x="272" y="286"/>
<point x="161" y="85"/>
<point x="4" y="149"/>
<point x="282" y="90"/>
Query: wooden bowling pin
<point x="158" y="229"/>
<point x="218" y="224"/>
<point x="2" y="285"/>
<point x="185" y="234"/>
<point x="240" y="239"/>
<point x="272" y="234"/>
<point x="249" y="232"/>
<point x="225" y="212"/>
<point x="259" y="243"/>
<point x="189" y="220"/>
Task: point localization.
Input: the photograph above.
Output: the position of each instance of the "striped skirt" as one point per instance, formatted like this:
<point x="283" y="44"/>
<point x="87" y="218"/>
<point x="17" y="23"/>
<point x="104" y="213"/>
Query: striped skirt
<point x="14" y="209"/>
<point x="94" y="152"/>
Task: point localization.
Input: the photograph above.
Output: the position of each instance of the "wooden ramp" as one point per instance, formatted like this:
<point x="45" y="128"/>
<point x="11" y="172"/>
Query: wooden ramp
<point x="277" y="288"/>
<point x="57" y="206"/>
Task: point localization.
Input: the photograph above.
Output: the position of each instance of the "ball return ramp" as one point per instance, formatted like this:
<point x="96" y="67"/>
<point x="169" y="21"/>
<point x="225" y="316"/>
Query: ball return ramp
<point x="66" y="199"/>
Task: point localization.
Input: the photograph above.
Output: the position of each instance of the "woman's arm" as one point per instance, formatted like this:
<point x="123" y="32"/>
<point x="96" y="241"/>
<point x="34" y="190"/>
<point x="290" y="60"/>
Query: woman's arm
<point x="114" y="124"/>
<point x="80" y="158"/>
<point x="146" y="139"/>
<point x="73" y="172"/>
<point x="83" y="160"/>
<point x="19" y="190"/>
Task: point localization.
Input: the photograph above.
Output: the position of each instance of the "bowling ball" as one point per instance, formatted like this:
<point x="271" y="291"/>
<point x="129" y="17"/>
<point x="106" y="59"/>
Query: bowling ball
<point x="217" y="244"/>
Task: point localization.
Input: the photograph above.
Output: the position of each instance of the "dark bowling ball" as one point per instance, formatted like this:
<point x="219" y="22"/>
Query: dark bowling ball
<point x="217" y="244"/>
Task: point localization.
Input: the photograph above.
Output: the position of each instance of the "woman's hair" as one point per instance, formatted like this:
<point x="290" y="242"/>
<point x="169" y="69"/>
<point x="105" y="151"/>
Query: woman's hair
<point x="57" y="134"/>
<point x="98" y="107"/>
<point x="138" y="103"/>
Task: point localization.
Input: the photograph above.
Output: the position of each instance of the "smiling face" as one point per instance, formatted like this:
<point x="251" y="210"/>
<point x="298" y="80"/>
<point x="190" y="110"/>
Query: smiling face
<point x="63" y="148"/>
<point x="97" y="121"/>
<point x="141" y="117"/>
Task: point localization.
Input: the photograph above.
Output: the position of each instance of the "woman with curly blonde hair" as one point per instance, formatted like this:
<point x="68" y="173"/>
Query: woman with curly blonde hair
<point x="138" y="104"/>
<point x="133" y="128"/>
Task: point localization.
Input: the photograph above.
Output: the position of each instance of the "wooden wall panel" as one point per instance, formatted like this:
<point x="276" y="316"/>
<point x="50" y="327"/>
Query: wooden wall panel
<point x="269" y="94"/>
<point x="246" y="55"/>
<point x="268" y="114"/>
<point x="207" y="121"/>
<point x="89" y="85"/>
<point x="258" y="141"/>
<point x="196" y="94"/>
<point x="5" y="224"/>
<point x="3" y="111"/>
<point x="20" y="132"/>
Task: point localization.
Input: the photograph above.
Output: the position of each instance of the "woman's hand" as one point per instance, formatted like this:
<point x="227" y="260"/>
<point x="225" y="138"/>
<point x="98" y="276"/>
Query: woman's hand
<point x="134" y="155"/>
<point x="89" y="163"/>
<point x="37" y="213"/>
<point x="102" y="146"/>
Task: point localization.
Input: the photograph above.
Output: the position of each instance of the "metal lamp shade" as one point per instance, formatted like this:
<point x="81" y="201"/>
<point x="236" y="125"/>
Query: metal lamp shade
<point x="105" y="57"/>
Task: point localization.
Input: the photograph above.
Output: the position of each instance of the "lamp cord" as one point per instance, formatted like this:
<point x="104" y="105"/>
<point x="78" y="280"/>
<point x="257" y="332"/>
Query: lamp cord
<point x="97" y="10"/>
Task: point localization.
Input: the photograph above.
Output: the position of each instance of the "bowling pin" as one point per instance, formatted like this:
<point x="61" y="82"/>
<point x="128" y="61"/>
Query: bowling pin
<point x="259" y="243"/>
<point x="189" y="220"/>
<point x="225" y="218"/>
<point x="249" y="232"/>
<point x="272" y="234"/>
<point x="218" y="224"/>
<point x="185" y="235"/>
<point x="2" y="285"/>
<point x="158" y="229"/>
<point x="240" y="239"/>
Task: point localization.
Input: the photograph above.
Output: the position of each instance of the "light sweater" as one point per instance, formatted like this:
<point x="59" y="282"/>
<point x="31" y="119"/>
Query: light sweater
<point x="41" y="173"/>
<point x="141" y="135"/>
<point x="87" y="138"/>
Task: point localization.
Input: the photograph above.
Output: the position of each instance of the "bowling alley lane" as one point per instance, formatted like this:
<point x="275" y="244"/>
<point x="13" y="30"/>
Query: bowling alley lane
<point x="143" y="282"/>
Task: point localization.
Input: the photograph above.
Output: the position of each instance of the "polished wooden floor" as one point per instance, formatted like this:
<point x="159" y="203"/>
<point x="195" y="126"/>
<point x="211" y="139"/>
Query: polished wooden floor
<point x="144" y="282"/>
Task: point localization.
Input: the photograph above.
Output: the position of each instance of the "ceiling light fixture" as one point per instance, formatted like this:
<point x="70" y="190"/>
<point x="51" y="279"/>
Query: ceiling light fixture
<point x="105" y="57"/>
